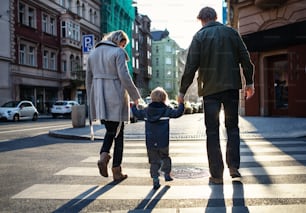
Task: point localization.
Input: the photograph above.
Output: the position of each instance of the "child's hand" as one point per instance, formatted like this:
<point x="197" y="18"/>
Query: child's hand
<point x="136" y="102"/>
<point x="180" y="99"/>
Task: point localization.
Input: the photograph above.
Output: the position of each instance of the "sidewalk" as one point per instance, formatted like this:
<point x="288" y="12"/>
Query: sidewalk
<point x="192" y="127"/>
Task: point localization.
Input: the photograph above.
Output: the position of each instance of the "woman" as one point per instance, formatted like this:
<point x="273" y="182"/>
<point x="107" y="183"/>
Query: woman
<point x="109" y="88"/>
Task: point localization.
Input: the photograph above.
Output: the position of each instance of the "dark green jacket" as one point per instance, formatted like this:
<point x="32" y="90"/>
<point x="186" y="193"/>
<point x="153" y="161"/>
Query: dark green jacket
<point x="216" y="52"/>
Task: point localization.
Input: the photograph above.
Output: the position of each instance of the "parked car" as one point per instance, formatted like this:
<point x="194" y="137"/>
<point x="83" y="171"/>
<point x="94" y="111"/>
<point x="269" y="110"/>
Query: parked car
<point x="63" y="108"/>
<point x="18" y="110"/>
<point x="173" y="103"/>
<point x="188" y="108"/>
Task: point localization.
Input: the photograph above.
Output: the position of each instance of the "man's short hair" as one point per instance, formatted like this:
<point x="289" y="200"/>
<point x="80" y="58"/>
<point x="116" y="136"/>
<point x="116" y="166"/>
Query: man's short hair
<point x="207" y="14"/>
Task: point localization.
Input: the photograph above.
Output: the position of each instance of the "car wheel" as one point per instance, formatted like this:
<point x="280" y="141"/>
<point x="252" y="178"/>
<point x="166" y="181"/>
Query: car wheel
<point x="16" y="117"/>
<point x="35" y="117"/>
<point x="54" y="115"/>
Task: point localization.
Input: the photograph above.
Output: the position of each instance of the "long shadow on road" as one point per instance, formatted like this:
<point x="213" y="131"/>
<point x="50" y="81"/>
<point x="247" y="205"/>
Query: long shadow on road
<point x="37" y="141"/>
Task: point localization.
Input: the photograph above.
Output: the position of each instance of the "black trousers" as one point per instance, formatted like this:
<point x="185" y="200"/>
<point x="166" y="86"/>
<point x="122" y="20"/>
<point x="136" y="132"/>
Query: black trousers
<point x="212" y="107"/>
<point x="114" y="133"/>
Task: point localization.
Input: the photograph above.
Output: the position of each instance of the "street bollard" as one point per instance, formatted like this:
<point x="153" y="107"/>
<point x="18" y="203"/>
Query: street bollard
<point x="78" y="116"/>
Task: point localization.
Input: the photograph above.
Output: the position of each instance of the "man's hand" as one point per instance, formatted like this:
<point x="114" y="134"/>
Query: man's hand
<point x="249" y="91"/>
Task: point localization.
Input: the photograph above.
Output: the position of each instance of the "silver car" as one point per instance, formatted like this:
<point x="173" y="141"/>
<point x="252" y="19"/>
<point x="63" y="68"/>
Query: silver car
<point x="63" y="108"/>
<point x="18" y="110"/>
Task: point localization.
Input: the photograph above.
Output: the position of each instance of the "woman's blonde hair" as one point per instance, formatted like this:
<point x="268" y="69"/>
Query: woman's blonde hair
<point x="117" y="36"/>
<point x="159" y="95"/>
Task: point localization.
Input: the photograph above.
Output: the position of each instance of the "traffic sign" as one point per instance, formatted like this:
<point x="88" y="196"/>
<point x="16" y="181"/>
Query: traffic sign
<point x="87" y="43"/>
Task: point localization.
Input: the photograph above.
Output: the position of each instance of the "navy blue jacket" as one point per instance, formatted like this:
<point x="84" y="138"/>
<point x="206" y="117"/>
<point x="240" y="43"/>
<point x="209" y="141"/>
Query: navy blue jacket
<point x="157" y="116"/>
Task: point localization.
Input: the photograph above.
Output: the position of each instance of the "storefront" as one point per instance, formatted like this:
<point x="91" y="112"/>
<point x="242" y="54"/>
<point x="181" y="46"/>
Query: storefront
<point x="279" y="55"/>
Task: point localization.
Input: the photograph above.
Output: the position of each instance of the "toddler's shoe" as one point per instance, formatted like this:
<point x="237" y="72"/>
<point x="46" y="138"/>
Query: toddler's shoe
<point x="156" y="184"/>
<point x="168" y="177"/>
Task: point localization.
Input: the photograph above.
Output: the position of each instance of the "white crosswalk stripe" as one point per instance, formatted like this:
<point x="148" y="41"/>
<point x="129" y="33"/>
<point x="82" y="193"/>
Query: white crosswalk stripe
<point x="277" y="159"/>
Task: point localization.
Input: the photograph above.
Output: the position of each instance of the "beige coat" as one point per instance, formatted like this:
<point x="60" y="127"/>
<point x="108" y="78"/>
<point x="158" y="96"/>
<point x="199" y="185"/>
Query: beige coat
<point x="109" y="85"/>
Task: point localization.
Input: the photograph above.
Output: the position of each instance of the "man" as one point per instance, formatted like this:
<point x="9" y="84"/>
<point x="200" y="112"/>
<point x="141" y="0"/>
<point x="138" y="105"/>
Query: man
<point x="217" y="52"/>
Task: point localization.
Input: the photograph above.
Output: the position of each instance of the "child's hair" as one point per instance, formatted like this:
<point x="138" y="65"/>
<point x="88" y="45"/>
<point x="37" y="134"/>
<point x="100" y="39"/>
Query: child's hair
<point x="159" y="95"/>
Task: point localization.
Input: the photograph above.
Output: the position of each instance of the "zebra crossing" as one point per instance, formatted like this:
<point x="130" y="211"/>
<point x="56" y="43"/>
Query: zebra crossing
<point x="274" y="179"/>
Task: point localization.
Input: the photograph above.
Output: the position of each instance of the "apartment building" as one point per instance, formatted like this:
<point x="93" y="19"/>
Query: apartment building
<point x="141" y="49"/>
<point x="118" y="15"/>
<point x="5" y="51"/>
<point x="46" y="49"/>
<point x="165" y="70"/>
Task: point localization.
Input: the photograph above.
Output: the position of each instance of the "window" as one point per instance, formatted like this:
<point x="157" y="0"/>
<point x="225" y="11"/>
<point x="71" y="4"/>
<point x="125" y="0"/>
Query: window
<point x="27" y="15"/>
<point x="149" y="70"/>
<point x="70" y="30"/>
<point x="21" y="13"/>
<point x="90" y="16"/>
<point x="49" y="59"/>
<point x="27" y="53"/>
<point x="63" y="29"/>
<point x="79" y="8"/>
<point x="168" y="85"/>
<point x="46" y="59"/>
<point x="69" y="5"/>
<point x="44" y="23"/>
<point x="64" y="66"/>
<point x="168" y="61"/>
<point x="53" y="26"/>
<point x="48" y="24"/>
<point x="31" y="17"/>
<point x="95" y="18"/>
<point x="168" y="48"/>
<point x="53" y="61"/>
<point x="63" y="3"/>
<point x="83" y="11"/>
<point x="31" y="56"/>
<point x="22" y="54"/>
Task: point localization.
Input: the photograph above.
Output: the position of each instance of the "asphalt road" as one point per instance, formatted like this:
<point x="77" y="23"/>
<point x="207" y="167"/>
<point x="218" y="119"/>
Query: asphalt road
<point x="39" y="173"/>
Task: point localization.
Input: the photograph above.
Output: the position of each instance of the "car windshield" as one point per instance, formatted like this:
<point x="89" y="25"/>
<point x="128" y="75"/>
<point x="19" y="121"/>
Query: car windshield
<point x="11" y="104"/>
<point x="61" y="103"/>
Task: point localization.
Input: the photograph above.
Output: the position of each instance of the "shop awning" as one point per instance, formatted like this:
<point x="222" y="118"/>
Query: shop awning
<point x="276" y="38"/>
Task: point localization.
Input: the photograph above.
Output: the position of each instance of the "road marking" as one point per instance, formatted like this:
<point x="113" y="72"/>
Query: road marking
<point x="231" y="209"/>
<point x="145" y="173"/>
<point x="198" y="149"/>
<point x="203" y="159"/>
<point x="120" y="192"/>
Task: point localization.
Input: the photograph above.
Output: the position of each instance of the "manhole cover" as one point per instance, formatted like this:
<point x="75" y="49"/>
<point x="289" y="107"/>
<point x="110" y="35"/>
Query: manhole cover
<point x="189" y="173"/>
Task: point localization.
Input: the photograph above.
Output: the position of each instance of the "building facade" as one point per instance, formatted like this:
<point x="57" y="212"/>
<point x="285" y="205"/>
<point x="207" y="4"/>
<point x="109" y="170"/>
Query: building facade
<point x="5" y="50"/>
<point x="141" y="49"/>
<point x="275" y="34"/>
<point x="118" y="15"/>
<point x="46" y="49"/>
<point x="165" y="71"/>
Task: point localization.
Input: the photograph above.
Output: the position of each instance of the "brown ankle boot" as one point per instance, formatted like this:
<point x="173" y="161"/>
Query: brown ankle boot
<point x="102" y="163"/>
<point x="117" y="175"/>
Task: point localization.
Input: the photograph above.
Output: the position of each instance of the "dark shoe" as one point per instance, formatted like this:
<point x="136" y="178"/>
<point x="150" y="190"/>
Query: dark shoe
<point x="168" y="177"/>
<point x="213" y="180"/>
<point x="102" y="164"/>
<point x="156" y="184"/>
<point x="117" y="174"/>
<point x="234" y="173"/>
